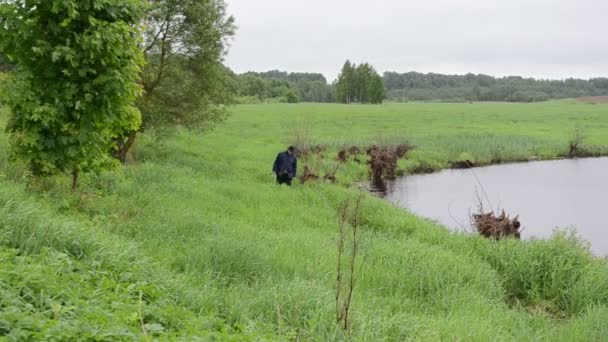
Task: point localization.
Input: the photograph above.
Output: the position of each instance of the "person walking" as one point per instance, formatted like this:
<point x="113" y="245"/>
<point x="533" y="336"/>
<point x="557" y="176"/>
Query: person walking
<point x="286" y="166"/>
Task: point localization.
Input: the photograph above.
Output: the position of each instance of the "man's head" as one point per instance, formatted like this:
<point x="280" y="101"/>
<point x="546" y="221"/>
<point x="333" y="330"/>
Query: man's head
<point x="291" y="150"/>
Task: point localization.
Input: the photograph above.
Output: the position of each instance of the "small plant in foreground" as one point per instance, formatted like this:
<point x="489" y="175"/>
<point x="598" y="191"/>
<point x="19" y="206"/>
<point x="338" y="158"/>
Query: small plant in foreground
<point x="349" y="239"/>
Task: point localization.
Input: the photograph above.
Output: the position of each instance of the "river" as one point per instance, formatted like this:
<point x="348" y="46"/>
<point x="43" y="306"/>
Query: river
<point x="546" y="195"/>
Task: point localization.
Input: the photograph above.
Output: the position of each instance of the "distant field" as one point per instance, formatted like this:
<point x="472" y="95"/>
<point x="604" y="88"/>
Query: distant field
<point x="194" y="240"/>
<point x="442" y="132"/>
<point x="593" y="99"/>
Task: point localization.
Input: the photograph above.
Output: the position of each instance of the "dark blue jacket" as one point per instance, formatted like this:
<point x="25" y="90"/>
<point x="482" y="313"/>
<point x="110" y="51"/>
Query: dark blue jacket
<point x="285" y="163"/>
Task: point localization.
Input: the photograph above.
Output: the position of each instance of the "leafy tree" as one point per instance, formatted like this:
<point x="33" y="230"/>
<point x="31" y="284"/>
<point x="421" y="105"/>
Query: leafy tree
<point x="184" y="80"/>
<point x="250" y="84"/>
<point x="376" y="89"/>
<point x="345" y="87"/>
<point x="183" y="99"/>
<point x="78" y="67"/>
<point x="364" y="73"/>
<point x="360" y="84"/>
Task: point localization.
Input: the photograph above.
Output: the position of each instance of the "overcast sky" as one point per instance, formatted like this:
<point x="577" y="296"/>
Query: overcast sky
<point x="537" y="38"/>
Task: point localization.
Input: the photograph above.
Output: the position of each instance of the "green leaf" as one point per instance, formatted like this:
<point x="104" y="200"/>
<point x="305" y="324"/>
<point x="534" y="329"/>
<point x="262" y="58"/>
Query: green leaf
<point x="55" y="56"/>
<point x="154" y="328"/>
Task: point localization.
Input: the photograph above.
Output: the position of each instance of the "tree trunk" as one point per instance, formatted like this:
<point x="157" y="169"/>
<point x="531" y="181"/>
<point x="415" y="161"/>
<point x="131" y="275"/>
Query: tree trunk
<point x="121" y="153"/>
<point x="74" y="180"/>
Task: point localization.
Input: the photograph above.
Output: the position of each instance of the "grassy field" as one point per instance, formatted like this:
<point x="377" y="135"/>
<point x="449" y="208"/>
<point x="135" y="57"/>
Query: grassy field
<point x="194" y="240"/>
<point x="481" y="132"/>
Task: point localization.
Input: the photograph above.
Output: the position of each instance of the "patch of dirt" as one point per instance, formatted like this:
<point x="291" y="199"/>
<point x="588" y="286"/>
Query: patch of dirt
<point x="462" y="164"/>
<point x="308" y="175"/>
<point x="342" y="156"/>
<point x="422" y="169"/>
<point x="593" y="99"/>
<point x="354" y="151"/>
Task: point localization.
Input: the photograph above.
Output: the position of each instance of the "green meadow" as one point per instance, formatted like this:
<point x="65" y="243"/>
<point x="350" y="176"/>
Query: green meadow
<point x="192" y="240"/>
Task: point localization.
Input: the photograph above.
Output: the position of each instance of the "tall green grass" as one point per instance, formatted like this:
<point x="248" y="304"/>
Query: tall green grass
<point x="62" y="278"/>
<point x="217" y="249"/>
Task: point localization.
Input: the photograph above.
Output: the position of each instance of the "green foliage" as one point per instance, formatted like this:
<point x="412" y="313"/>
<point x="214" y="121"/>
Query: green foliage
<point x="4" y="86"/>
<point x="250" y="85"/>
<point x="276" y="84"/>
<point x="292" y="97"/>
<point x="184" y="99"/>
<point x="413" y="86"/>
<point x="78" y="64"/>
<point x="361" y="84"/>
<point x="376" y="89"/>
<point x="464" y="157"/>
<point x="184" y="80"/>
<point x="345" y="87"/>
<point x="5" y="66"/>
<point x="74" y="282"/>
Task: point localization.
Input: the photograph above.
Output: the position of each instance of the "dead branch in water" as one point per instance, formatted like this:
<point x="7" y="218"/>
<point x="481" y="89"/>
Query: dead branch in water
<point x="497" y="227"/>
<point x="488" y="224"/>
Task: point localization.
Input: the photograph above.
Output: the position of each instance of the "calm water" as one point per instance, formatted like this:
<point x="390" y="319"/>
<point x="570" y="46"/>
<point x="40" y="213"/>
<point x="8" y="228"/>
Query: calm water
<point x="546" y="195"/>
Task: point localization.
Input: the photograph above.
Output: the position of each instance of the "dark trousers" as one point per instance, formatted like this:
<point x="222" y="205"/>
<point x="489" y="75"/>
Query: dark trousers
<point x="284" y="178"/>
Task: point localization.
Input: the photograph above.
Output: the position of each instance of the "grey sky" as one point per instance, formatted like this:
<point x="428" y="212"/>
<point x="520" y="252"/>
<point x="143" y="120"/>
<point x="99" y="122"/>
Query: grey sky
<point x="538" y="38"/>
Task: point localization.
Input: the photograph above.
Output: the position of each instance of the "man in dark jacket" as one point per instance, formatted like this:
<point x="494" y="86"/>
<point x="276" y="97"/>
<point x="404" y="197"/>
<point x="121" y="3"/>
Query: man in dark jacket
<point x="286" y="166"/>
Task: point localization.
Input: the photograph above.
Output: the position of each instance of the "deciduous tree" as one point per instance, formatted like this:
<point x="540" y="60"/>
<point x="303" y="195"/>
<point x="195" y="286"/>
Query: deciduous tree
<point x="184" y="80"/>
<point x="345" y="87"/>
<point x="361" y="84"/>
<point x="376" y="90"/>
<point x="78" y="64"/>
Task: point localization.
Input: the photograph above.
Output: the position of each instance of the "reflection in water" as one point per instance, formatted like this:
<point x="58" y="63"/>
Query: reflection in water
<point x="379" y="187"/>
<point x="546" y="195"/>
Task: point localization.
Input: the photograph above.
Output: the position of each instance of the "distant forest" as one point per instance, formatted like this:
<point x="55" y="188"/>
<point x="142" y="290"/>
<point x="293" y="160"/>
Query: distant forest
<point x="413" y="86"/>
<point x="280" y="86"/>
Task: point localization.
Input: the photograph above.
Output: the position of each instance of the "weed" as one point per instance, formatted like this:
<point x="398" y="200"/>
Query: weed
<point x="349" y="237"/>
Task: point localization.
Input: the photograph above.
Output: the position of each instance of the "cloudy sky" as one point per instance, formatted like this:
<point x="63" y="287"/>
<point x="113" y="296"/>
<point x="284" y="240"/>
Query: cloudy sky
<point x="537" y="38"/>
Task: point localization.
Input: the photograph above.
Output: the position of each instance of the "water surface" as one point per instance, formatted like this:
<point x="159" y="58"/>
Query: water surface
<point x="546" y="195"/>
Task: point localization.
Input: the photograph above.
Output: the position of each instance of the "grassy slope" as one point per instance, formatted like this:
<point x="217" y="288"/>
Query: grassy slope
<point x="226" y="245"/>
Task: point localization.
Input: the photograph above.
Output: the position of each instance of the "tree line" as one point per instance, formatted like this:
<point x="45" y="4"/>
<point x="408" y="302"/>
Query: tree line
<point x="356" y="84"/>
<point x="413" y="86"/>
<point x="362" y="84"/>
<point x="284" y="87"/>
